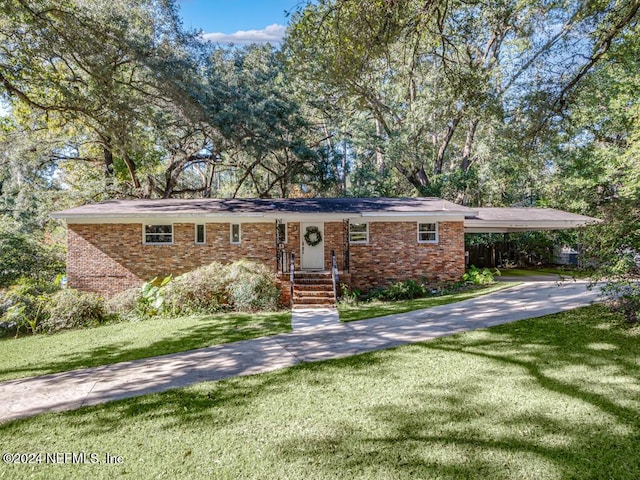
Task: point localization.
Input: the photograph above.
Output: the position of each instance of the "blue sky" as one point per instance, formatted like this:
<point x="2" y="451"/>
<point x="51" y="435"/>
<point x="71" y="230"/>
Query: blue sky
<point x="237" y="21"/>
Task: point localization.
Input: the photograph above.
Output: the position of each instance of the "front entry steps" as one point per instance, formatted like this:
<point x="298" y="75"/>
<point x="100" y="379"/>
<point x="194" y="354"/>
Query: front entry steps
<point x="313" y="290"/>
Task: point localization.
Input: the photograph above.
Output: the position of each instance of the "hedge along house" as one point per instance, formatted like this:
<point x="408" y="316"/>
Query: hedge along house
<point x="312" y="243"/>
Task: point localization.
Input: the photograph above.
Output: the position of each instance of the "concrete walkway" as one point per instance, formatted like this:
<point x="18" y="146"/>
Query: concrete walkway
<point x="74" y="389"/>
<point x="310" y="318"/>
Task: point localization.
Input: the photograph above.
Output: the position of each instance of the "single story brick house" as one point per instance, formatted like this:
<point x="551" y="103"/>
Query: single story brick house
<point x="366" y="242"/>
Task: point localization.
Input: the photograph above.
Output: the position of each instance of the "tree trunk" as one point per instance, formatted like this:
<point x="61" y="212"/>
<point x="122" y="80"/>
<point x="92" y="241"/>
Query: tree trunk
<point x="131" y="167"/>
<point x="343" y="180"/>
<point x="210" y="175"/>
<point x="108" y="166"/>
<point x="437" y="169"/>
<point x="466" y="152"/>
<point x="379" y="154"/>
<point x="418" y="178"/>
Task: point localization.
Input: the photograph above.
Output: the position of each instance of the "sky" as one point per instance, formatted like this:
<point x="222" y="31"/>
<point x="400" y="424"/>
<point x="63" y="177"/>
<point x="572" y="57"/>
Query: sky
<point x="238" y="21"/>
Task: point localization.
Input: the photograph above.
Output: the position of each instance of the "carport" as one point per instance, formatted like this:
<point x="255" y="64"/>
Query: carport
<point x="508" y="220"/>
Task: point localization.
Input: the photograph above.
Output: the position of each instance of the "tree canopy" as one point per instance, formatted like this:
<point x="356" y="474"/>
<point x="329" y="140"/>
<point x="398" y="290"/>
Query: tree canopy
<point x="507" y="103"/>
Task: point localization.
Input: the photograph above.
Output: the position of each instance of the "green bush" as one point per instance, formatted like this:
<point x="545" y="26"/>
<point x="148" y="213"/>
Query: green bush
<point x="126" y="304"/>
<point x="242" y="286"/>
<point x="23" y="306"/>
<point x="623" y="295"/>
<point x="73" y="309"/>
<point x="479" y="277"/>
<point x="251" y="286"/>
<point x="152" y="301"/>
<point x="349" y="297"/>
<point x="406" y="290"/>
<point x="199" y="291"/>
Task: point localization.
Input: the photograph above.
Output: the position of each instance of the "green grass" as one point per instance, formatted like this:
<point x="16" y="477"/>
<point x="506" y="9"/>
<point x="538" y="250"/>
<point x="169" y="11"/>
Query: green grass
<point x="361" y="311"/>
<point x="119" y="342"/>
<point x="524" y="272"/>
<point x="555" y="397"/>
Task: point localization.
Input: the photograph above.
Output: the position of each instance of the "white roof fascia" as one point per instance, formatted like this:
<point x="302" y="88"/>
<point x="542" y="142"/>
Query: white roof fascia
<point x="423" y="217"/>
<point x="113" y="218"/>
<point x="497" y="226"/>
<point x="163" y="217"/>
<point x="435" y="213"/>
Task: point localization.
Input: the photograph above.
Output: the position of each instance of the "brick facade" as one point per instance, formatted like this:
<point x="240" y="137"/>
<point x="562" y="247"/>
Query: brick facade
<point x="393" y="253"/>
<point x="108" y="258"/>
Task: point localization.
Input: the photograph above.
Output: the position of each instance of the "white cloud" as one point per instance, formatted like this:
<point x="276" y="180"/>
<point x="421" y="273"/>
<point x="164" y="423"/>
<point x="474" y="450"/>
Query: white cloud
<point x="270" y="34"/>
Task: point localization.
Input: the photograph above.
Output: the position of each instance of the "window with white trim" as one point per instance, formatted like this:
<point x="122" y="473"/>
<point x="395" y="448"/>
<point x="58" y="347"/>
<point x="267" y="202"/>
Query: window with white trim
<point x="201" y="234"/>
<point x="235" y="233"/>
<point x="158" y="234"/>
<point x="427" y="233"/>
<point x="358" y="232"/>
<point x="282" y="232"/>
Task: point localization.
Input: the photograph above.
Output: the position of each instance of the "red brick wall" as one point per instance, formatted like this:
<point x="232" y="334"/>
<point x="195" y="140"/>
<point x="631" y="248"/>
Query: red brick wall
<point x="111" y="257"/>
<point x="393" y="253"/>
<point x="334" y="240"/>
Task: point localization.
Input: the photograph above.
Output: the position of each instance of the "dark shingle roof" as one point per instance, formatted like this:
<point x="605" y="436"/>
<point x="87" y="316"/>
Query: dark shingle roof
<point x="266" y="206"/>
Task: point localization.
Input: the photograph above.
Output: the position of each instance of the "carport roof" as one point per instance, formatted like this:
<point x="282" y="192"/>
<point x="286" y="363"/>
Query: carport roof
<point x="523" y="219"/>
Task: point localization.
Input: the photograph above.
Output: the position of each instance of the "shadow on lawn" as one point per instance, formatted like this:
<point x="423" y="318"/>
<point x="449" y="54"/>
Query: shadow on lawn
<point x="214" y="330"/>
<point x="571" y="426"/>
<point x="541" y="398"/>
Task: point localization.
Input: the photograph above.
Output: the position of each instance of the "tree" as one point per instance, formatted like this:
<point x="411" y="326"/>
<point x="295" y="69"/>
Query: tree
<point x="109" y="69"/>
<point x="265" y="140"/>
<point x="445" y="81"/>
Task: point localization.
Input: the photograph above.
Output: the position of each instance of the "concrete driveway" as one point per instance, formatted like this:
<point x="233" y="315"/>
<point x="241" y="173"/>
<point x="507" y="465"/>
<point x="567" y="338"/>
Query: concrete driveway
<point x="74" y="389"/>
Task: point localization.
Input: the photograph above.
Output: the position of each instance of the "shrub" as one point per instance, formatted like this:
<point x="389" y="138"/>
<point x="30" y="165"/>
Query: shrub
<point x="251" y="286"/>
<point x="126" y="304"/>
<point x="152" y="301"/>
<point x="23" y="306"/>
<point x="479" y="277"/>
<point x="349" y="297"/>
<point x="623" y="296"/>
<point x="407" y="290"/>
<point x="72" y="309"/>
<point x="201" y="290"/>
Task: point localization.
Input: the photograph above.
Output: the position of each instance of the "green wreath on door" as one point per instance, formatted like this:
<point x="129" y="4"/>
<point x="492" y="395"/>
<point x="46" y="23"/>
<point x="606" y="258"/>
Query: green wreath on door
<point x="313" y="236"/>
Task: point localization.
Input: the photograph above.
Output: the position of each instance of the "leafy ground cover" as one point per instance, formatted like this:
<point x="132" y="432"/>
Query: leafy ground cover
<point x="119" y="342"/>
<point x="375" y="308"/>
<point x="555" y="397"/>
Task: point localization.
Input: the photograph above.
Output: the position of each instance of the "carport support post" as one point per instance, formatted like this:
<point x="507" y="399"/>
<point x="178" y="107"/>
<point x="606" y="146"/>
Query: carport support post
<point x="506" y="248"/>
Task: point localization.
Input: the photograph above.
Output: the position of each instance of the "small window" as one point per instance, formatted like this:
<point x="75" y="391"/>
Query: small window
<point x="282" y="233"/>
<point x="358" y="232"/>
<point x="235" y="233"/>
<point x="200" y="234"/>
<point x="427" y="232"/>
<point x="158" y="234"/>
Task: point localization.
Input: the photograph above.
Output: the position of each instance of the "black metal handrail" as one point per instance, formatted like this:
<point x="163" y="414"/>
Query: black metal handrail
<point x="291" y="275"/>
<point x="334" y="274"/>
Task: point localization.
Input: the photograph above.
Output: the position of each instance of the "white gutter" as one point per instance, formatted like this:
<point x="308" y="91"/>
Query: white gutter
<point x="505" y="226"/>
<point x="187" y="217"/>
<point x="437" y="213"/>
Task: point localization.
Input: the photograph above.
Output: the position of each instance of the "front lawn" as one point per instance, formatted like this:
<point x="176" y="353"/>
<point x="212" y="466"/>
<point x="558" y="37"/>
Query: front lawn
<point x="119" y="342"/>
<point x="376" y="308"/>
<point x="555" y="397"/>
<point x="566" y="273"/>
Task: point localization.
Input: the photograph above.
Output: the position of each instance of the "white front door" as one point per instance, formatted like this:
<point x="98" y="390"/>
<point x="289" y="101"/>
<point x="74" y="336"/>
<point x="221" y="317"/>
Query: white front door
<point x="312" y="257"/>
